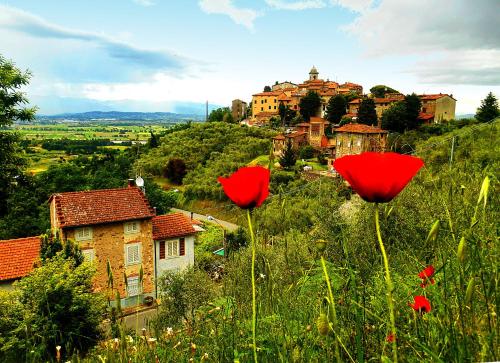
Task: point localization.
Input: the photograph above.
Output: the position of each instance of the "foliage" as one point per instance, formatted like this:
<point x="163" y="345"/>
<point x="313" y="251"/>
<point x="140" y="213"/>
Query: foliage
<point x="52" y="245"/>
<point x="175" y="170"/>
<point x="489" y="109"/>
<point x="12" y="108"/>
<point x="55" y="306"/>
<point x="181" y="295"/>
<point x="236" y="240"/>
<point x="274" y="122"/>
<point x="336" y="108"/>
<point x="267" y="89"/>
<point x="367" y="114"/>
<point x="289" y="156"/>
<point x="286" y="114"/>
<point x="309" y="105"/>
<point x="218" y="114"/>
<point x="403" y="115"/>
<point x="380" y="90"/>
<point x="345" y="120"/>
<point x="207" y="242"/>
<point x="306" y="152"/>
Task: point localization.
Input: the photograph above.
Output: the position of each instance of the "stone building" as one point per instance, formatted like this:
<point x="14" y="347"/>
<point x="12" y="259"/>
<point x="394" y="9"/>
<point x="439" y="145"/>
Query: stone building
<point x="442" y="106"/>
<point x="354" y="139"/>
<point x="238" y="109"/>
<point x="298" y="140"/>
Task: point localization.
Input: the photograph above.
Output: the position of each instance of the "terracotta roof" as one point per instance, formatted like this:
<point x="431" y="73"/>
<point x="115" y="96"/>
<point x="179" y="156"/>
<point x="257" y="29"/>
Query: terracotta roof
<point x="425" y="116"/>
<point x="101" y="206"/>
<point x="272" y="93"/>
<point x="388" y="100"/>
<point x="350" y="85"/>
<point x="433" y="97"/>
<point x="279" y="137"/>
<point x="318" y="120"/>
<point x="303" y="124"/>
<point x="355" y="101"/>
<point x="360" y="129"/>
<point x="17" y="257"/>
<point x="172" y="225"/>
<point x="296" y="134"/>
<point x="283" y="97"/>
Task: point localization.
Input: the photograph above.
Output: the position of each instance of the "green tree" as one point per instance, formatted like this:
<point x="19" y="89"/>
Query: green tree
<point x="367" y="114"/>
<point x="228" y="118"/>
<point x="176" y="170"/>
<point x="267" y="89"/>
<point x="218" y="114"/>
<point x="153" y="140"/>
<point x="57" y="307"/>
<point x="12" y="108"/>
<point x="309" y="105"/>
<point x="289" y="157"/>
<point x="380" y="90"/>
<point x="413" y="105"/>
<point x="394" y="118"/>
<point x="488" y="109"/>
<point x="286" y="114"/>
<point x="306" y="152"/>
<point x="274" y="122"/>
<point x="336" y="108"/>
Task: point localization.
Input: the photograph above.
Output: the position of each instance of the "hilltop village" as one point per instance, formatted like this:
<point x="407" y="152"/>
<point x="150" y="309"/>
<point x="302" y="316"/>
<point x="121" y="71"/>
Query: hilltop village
<point x="333" y="139"/>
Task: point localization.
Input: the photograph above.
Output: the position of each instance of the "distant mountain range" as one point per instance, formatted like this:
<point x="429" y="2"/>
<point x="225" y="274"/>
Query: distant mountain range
<point x="122" y="116"/>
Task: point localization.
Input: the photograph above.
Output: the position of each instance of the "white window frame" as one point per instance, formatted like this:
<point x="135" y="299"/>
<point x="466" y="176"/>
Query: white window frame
<point x="133" y="286"/>
<point x="89" y="255"/>
<point x="83" y="234"/>
<point x="133" y="227"/>
<point x="128" y="246"/>
<point x="172" y="248"/>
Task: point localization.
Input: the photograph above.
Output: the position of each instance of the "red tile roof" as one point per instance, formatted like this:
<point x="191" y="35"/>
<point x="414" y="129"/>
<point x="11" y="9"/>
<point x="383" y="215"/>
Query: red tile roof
<point x="356" y="100"/>
<point x="433" y="97"/>
<point x="270" y="94"/>
<point x="314" y="119"/>
<point x="172" y="225"/>
<point x="303" y="124"/>
<point x="360" y="129"/>
<point x="17" y="257"/>
<point x="425" y="116"/>
<point x="279" y="137"/>
<point x="388" y="99"/>
<point x="101" y="206"/>
<point x="296" y="134"/>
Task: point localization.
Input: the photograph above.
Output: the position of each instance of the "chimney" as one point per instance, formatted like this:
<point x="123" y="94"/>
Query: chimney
<point x="131" y="183"/>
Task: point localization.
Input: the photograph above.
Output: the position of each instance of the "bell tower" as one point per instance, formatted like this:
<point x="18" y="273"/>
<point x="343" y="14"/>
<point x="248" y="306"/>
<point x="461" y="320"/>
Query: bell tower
<point x="313" y="74"/>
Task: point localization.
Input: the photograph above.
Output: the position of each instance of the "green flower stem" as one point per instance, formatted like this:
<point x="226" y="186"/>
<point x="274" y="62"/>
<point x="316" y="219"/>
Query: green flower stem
<point x="332" y="304"/>
<point x="389" y="285"/>
<point x="254" y="304"/>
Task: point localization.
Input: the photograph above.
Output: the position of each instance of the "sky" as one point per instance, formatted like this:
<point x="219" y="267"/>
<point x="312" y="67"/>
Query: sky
<point x="174" y="55"/>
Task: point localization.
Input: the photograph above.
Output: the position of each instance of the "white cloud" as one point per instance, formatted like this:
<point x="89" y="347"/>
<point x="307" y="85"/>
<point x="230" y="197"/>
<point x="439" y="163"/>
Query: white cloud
<point x="354" y="5"/>
<point x="241" y="16"/>
<point x="296" y="5"/>
<point x="455" y="41"/>
<point x="144" y="2"/>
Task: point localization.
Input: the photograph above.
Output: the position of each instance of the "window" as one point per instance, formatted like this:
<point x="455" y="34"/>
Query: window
<point x="89" y="255"/>
<point x="275" y="107"/>
<point x="133" y="254"/>
<point x="83" y="234"/>
<point x="261" y="102"/>
<point x="133" y="286"/>
<point x="132" y="227"/>
<point x="269" y="107"/>
<point x="262" y="108"/>
<point x="172" y="248"/>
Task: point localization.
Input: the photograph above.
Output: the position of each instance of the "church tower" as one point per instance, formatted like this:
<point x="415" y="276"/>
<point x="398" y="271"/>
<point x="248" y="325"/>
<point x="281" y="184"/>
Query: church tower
<point x="313" y="74"/>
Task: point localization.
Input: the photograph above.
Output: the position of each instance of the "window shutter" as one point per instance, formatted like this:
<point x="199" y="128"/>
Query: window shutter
<point x="162" y="250"/>
<point x="182" y="246"/>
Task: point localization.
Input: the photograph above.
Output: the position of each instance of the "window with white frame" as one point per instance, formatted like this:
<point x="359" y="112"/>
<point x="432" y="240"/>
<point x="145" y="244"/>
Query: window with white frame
<point x="89" y="255"/>
<point x="132" y="227"/>
<point x="133" y="286"/>
<point x="133" y="253"/>
<point x="172" y="248"/>
<point x="83" y="234"/>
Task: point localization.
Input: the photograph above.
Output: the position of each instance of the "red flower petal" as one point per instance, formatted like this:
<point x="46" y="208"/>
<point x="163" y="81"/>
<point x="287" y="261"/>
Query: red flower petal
<point x="248" y="187"/>
<point x="426" y="272"/>
<point x="390" y="338"/>
<point x="421" y="304"/>
<point x="378" y="177"/>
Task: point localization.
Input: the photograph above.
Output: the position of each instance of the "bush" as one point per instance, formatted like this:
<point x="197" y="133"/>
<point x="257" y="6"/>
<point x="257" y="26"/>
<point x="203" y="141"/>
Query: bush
<point x="306" y="152"/>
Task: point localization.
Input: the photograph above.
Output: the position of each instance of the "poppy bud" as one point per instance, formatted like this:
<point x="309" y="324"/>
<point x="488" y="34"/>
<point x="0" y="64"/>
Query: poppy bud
<point x="469" y="291"/>
<point x="321" y="245"/>
<point x="323" y="324"/>
<point x="461" y="250"/>
<point x="296" y="354"/>
<point x="433" y="232"/>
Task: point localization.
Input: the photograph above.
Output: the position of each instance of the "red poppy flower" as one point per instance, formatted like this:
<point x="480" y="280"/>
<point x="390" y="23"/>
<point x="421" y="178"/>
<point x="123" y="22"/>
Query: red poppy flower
<point x="421" y="304"/>
<point x="426" y="276"/>
<point x="248" y="187"/>
<point x="378" y="177"/>
<point x="390" y="338"/>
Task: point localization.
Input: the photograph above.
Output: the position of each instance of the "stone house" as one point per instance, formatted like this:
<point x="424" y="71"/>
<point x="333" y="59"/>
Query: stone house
<point x="442" y="106"/>
<point x="118" y="225"/>
<point x="354" y="139"/>
<point x="238" y="109"/>
<point x="17" y="259"/>
<point x="297" y="138"/>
